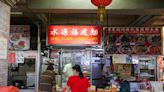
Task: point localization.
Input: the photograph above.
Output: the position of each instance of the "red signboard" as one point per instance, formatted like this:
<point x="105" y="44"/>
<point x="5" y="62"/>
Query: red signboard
<point x="133" y="40"/>
<point x="74" y="35"/>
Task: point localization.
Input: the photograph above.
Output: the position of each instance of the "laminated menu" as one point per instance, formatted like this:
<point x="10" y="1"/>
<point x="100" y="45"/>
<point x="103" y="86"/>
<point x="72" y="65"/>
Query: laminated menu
<point x="117" y="58"/>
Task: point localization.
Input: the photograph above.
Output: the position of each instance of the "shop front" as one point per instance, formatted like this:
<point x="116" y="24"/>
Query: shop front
<point x="70" y="45"/>
<point x="129" y="61"/>
<point x="135" y="58"/>
<point x="131" y="58"/>
<point x="125" y="58"/>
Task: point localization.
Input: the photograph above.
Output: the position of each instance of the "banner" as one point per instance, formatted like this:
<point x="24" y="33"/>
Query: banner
<point x="74" y="35"/>
<point x="19" y="37"/>
<point x="139" y="40"/>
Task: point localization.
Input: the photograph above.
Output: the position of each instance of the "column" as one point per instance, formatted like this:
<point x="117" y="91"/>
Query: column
<point x="4" y="36"/>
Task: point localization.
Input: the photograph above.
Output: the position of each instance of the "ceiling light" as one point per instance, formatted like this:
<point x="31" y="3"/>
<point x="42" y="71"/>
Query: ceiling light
<point x="17" y="13"/>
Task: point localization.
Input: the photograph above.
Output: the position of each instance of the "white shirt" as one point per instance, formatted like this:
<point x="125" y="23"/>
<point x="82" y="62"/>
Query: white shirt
<point x="68" y="70"/>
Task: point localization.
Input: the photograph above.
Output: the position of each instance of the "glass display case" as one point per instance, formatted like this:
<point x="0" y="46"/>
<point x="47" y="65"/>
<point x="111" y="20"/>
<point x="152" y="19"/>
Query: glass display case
<point x="72" y="57"/>
<point x="147" y="68"/>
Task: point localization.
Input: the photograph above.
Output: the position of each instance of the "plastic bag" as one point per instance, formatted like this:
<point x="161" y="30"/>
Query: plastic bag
<point x="9" y="89"/>
<point x="64" y="89"/>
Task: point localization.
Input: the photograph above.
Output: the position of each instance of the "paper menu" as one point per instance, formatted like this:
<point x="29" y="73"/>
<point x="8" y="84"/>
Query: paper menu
<point x="117" y="58"/>
<point x="20" y="57"/>
<point x="135" y="60"/>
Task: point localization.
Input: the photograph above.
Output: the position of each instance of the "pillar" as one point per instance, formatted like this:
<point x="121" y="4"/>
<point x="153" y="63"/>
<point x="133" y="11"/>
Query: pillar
<point x="4" y="36"/>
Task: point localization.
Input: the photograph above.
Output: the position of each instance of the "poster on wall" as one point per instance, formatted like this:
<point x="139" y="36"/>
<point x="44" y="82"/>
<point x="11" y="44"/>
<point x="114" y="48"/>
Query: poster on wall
<point x="19" y="37"/>
<point x="120" y="59"/>
<point x="16" y="57"/>
<point x="139" y="40"/>
<point x="124" y="70"/>
<point x="19" y="57"/>
<point x="11" y="57"/>
<point x="74" y="35"/>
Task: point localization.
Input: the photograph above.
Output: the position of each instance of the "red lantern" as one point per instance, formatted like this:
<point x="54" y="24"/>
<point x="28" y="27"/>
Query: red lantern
<point x="101" y="6"/>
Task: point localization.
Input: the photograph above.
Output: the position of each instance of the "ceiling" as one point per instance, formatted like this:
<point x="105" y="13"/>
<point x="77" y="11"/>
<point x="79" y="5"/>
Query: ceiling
<point x="137" y="14"/>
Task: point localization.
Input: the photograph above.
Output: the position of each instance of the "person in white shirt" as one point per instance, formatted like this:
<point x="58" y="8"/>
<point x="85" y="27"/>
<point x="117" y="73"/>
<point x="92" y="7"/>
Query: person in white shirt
<point x="68" y="69"/>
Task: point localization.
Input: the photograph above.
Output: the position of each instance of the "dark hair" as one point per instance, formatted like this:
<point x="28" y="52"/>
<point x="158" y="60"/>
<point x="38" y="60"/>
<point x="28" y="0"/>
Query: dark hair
<point x="78" y="69"/>
<point x="50" y="67"/>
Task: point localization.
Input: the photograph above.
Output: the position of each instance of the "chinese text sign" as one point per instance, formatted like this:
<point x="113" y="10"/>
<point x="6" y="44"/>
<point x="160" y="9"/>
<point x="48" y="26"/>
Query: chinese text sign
<point x="74" y="35"/>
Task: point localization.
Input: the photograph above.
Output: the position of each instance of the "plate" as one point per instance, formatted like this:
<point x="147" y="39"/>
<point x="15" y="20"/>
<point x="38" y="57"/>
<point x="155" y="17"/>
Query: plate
<point x="111" y="49"/>
<point x="140" y="38"/>
<point x="125" y="49"/>
<point x="124" y="38"/>
<point x="112" y="38"/>
<point x="155" y="49"/>
<point x="140" y="49"/>
<point x="15" y="37"/>
<point x="154" y="39"/>
<point x="21" y="44"/>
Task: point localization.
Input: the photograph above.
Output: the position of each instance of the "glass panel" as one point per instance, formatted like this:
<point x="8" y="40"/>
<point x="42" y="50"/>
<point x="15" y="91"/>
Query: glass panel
<point x="72" y="57"/>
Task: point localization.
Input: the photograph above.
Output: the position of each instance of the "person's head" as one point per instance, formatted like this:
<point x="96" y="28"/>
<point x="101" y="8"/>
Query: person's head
<point x="77" y="71"/>
<point x="68" y="61"/>
<point x="50" y="67"/>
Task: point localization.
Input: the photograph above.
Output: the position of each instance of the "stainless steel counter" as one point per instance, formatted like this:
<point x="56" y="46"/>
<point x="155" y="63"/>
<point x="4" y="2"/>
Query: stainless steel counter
<point x="27" y="90"/>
